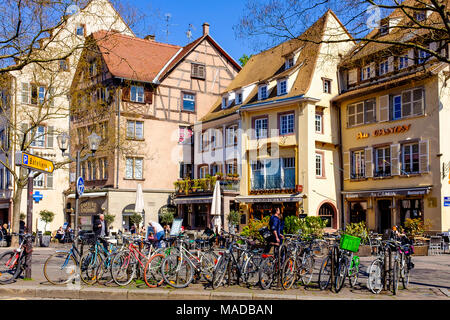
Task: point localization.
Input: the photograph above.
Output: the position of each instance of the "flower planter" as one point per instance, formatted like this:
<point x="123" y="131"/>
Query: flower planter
<point x="420" y="250"/>
<point x="364" y="251"/>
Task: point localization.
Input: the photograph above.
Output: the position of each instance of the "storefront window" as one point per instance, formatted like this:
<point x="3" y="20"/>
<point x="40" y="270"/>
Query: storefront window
<point x="358" y="211"/>
<point x="410" y="209"/>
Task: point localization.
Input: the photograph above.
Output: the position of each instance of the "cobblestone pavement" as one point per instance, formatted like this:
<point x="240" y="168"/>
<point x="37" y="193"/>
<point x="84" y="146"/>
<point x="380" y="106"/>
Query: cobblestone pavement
<point x="430" y="280"/>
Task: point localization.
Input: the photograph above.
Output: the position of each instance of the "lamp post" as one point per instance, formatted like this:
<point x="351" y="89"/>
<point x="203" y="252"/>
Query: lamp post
<point x="63" y="144"/>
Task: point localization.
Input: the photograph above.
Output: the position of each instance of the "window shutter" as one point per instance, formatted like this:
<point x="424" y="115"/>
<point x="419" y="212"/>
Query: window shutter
<point x="411" y="59"/>
<point x="50" y="180"/>
<point x="383" y="109"/>
<point x="50" y="137"/>
<point x="390" y="64"/>
<point x="148" y="95"/>
<point x="433" y="47"/>
<point x="423" y="156"/>
<point x="368" y="162"/>
<point x="395" y="159"/>
<point x="352" y="76"/>
<point x="25" y="92"/>
<point x="126" y="94"/>
<point x="346" y="160"/>
<point x="372" y="69"/>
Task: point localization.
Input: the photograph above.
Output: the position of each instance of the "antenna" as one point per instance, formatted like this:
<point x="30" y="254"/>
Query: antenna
<point x="168" y="24"/>
<point x="189" y="32"/>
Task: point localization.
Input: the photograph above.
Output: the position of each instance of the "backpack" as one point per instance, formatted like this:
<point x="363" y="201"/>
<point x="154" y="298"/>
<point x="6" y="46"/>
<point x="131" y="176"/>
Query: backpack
<point x="265" y="233"/>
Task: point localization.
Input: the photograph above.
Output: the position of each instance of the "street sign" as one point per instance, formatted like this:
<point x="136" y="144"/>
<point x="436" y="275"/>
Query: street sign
<point x="80" y="186"/>
<point x="33" y="162"/>
<point x="37" y="196"/>
<point x="446" y="201"/>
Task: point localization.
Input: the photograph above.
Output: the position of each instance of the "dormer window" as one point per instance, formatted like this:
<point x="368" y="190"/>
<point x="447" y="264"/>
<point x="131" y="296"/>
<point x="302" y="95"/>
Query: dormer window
<point x="238" y="98"/>
<point x="384" y="67"/>
<point x="384" y="28"/>
<point x="289" y="62"/>
<point x="81" y="30"/>
<point x="422" y="56"/>
<point x="282" y="87"/>
<point x="224" y="102"/>
<point x="403" y="61"/>
<point x="420" y="15"/>
<point x="262" y="92"/>
<point x="365" y="73"/>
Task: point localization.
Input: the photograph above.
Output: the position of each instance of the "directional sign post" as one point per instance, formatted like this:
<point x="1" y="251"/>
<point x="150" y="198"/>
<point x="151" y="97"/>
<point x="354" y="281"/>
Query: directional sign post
<point x="35" y="163"/>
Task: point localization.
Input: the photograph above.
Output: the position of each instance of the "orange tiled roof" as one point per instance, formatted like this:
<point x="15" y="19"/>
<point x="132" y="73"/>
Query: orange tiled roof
<point x="133" y="58"/>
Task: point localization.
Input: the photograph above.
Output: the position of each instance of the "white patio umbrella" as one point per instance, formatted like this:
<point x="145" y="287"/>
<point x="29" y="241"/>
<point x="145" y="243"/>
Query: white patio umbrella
<point x="139" y="206"/>
<point x="216" y="206"/>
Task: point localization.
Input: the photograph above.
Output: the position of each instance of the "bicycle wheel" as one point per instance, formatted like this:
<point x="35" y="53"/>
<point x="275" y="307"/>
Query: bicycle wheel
<point x="353" y="274"/>
<point x="288" y="274"/>
<point x="405" y="274"/>
<point x="266" y="272"/>
<point x="320" y="248"/>
<point x="219" y="272"/>
<point x="307" y="270"/>
<point x="207" y="266"/>
<point x="104" y="270"/>
<point x="123" y="268"/>
<point x="60" y="268"/>
<point x="9" y="267"/>
<point x="177" y="271"/>
<point x="395" y="276"/>
<point x="251" y="271"/>
<point x="152" y="272"/>
<point x="341" y="275"/>
<point x="89" y="263"/>
<point x="325" y="273"/>
<point x="375" y="280"/>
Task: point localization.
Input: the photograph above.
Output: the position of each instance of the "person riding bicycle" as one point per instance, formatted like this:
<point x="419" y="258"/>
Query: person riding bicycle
<point x="276" y="228"/>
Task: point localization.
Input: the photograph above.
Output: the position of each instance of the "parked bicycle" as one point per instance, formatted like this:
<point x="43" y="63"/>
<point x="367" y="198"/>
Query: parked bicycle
<point x="13" y="263"/>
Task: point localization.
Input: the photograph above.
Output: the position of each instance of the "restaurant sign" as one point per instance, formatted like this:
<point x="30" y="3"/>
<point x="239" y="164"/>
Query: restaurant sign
<point x="387" y="193"/>
<point x="384" y="132"/>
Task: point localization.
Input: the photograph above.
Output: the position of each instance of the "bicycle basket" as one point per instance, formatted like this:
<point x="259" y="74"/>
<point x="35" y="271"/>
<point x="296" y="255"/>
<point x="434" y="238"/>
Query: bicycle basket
<point x="350" y="243"/>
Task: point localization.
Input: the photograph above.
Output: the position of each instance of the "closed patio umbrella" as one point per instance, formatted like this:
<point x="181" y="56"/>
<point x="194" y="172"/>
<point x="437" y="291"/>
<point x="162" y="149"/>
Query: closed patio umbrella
<point x="139" y="206"/>
<point x="215" y="207"/>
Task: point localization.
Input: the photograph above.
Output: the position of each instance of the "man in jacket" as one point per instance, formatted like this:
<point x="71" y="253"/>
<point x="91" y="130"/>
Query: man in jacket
<point x="101" y="230"/>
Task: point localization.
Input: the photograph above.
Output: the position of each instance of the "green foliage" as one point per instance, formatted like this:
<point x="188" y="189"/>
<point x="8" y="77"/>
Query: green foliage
<point x="416" y="227"/>
<point x="166" y="215"/>
<point x="109" y="218"/>
<point x="291" y="224"/>
<point x="136" y="218"/>
<point x="47" y="233"/>
<point x="357" y="230"/>
<point x="312" y="227"/>
<point x="251" y="229"/>
<point x="234" y="217"/>
<point x="244" y="59"/>
<point x="46" y="216"/>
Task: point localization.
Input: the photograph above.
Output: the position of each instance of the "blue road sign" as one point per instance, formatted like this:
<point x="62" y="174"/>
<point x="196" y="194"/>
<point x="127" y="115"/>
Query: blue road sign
<point x="37" y="196"/>
<point x="446" y="201"/>
<point x="80" y="186"/>
<point x="25" y="159"/>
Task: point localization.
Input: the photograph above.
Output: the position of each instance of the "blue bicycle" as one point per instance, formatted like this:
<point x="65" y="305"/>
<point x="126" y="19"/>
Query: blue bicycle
<point x="61" y="267"/>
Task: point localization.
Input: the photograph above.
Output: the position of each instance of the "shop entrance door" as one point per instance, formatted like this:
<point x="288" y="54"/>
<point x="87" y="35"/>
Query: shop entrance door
<point x="384" y="214"/>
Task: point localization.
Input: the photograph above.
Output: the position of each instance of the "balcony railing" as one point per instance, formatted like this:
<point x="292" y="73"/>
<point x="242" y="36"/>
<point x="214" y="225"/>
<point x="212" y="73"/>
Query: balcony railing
<point x="273" y="183"/>
<point x="206" y="185"/>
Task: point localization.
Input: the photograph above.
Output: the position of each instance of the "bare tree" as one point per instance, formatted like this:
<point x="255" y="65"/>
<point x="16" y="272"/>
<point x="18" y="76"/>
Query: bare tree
<point x="412" y="23"/>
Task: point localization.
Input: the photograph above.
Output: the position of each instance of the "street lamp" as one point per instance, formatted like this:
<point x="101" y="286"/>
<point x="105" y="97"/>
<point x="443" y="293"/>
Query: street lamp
<point x="63" y="144"/>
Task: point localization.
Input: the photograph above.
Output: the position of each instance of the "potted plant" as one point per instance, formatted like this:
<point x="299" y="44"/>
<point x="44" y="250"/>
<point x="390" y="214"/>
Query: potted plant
<point x="415" y="229"/>
<point x="219" y="175"/>
<point x="252" y="228"/>
<point x="234" y="219"/>
<point x="46" y="216"/>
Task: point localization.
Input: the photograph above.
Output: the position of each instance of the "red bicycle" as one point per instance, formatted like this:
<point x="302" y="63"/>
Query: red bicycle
<point x="12" y="263"/>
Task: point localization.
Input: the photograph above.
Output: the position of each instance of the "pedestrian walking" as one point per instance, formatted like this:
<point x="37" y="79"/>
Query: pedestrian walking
<point x="275" y="227"/>
<point x="101" y="230"/>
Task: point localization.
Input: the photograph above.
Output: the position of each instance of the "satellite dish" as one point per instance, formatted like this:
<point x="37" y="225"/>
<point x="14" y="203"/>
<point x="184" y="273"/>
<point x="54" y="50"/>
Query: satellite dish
<point x="72" y="9"/>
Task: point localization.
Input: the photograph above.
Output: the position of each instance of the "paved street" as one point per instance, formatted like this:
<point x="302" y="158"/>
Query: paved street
<point x="430" y="280"/>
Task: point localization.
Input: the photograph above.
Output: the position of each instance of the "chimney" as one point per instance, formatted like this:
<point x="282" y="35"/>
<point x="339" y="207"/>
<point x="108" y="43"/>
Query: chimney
<point x="205" y="28"/>
<point x="150" y="37"/>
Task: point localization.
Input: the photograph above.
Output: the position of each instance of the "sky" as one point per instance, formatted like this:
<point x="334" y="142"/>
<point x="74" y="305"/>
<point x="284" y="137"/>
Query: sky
<point x="221" y="15"/>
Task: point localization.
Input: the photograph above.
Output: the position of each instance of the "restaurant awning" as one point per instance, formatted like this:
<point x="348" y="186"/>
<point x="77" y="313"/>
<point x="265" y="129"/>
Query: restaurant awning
<point x="387" y="192"/>
<point x="188" y="200"/>
<point x="270" y="198"/>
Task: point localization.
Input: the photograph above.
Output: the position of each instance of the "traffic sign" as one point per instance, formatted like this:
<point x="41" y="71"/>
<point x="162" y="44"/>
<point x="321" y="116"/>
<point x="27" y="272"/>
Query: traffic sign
<point x="446" y="201"/>
<point x="33" y="162"/>
<point x="37" y="196"/>
<point x="80" y="186"/>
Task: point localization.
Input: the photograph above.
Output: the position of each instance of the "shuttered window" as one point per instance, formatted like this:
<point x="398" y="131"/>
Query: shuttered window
<point x="358" y="164"/>
<point x="383" y="162"/>
<point x="410" y="158"/>
<point x="198" y="71"/>
<point x="361" y="113"/>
